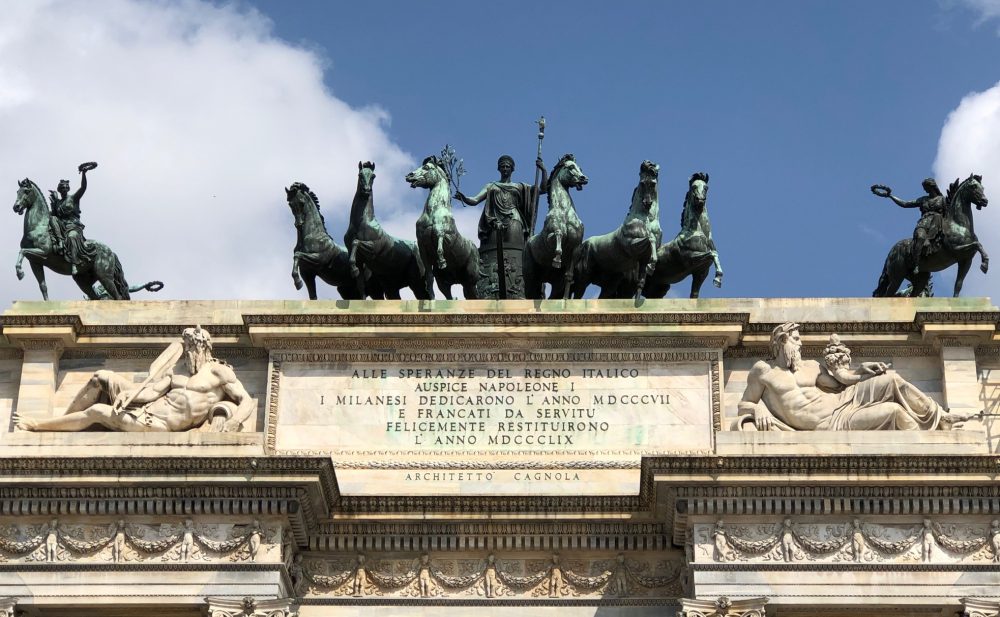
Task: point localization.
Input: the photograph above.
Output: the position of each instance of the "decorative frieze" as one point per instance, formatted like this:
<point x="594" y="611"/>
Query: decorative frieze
<point x="129" y="542"/>
<point x="491" y="576"/>
<point x="723" y="607"/>
<point x="856" y="540"/>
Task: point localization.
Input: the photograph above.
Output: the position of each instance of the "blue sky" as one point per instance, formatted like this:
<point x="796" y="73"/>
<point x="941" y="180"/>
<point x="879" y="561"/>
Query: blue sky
<point x="794" y="107"/>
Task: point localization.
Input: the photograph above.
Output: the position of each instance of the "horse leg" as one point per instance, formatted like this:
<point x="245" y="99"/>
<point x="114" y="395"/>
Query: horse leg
<point x="985" y="265"/>
<point x="442" y="262"/>
<point x="310" y="281"/>
<point x="963" y="269"/>
<point x="296" y="277"/>
<point x="86" y="285"/>
<point x="108" y="282"/>
<point x="717" y="281"/>
<point x="697" y="278"/>
<point x="17" y="266"/>
<point x="919" y="283"/>
<point x="355" y="272"/>
<point x="557" y="257"/>
<point x="39" y="271"/>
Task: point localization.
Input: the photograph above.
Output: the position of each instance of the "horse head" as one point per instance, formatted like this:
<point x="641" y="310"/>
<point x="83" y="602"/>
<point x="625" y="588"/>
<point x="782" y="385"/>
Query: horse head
<point x="568" y="173"/>
<point x="973" y="186"/>
<point x="649" y="177"/>
<point x="428" y="175"/>
<point x="366" y="177"/>
<point x="698" y="189"/>
<point x="28" y="194"/>
<point x="299" y="198"/>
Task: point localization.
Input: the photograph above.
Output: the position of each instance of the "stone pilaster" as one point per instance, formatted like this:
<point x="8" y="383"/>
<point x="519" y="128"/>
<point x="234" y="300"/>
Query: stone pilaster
<point x="250" y="607"/>
<point x="973" y="607"/>
<point x="39" y="369"/>
<point x="723" y="607"/>
<point x="960" y="376"/>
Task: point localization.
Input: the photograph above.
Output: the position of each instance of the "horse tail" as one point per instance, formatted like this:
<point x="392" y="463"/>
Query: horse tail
<point x="893" y="270"/>
<point x="151" y="286"/>
<point x="118" y="277"/>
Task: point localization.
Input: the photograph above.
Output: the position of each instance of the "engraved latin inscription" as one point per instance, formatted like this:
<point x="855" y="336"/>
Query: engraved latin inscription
<point x="513" y="407"/>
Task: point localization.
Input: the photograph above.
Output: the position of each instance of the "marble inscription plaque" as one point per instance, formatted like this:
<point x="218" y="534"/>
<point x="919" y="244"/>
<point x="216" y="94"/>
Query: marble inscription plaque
<point x="626" y="408"/>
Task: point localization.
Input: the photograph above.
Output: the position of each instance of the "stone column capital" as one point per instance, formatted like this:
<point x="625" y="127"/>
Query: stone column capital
<point x="974" y="607"/>
<point x="250" y="607"/>
<point x="723" y="607"/>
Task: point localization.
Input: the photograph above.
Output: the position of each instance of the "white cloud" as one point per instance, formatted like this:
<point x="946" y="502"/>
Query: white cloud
<point x="198" y="117"/>
<point x="970" y="143"/>
<point x="986" y="9"/>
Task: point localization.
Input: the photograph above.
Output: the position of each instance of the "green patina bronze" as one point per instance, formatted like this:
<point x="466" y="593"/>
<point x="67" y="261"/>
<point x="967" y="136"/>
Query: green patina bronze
<point x="316" y="254"/>
<point x="449" y="258"/>
<point x="550" y="253"/>
<point x="392" y="263"/>
<point x="944" y="237"/>
<point x="53" y="238"/>
<point x="692" y="251"/>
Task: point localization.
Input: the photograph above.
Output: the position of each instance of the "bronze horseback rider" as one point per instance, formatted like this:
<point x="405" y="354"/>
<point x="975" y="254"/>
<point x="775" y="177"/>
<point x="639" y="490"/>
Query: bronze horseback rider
<point x="65" y="222"/>
<point x="931" y="208"/>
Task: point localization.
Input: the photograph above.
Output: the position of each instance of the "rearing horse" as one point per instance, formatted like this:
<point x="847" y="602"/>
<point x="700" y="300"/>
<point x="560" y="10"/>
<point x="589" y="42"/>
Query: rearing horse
<point x="449" y="258"/>
<point x="99" y="263"/>
<point x="958" y="244"/>
<point x="394" y="263"/>
<point x="315" y="253"/>
<point x="562" y="233"/>
<point x="692" y="251"/>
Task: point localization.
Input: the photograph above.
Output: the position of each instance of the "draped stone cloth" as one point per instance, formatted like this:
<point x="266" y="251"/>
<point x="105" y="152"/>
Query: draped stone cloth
<point x="883" y="402"/>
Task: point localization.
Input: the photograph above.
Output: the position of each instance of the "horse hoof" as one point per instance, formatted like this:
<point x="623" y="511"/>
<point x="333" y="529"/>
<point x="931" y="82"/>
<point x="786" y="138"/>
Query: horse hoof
<point x="442" y="265"/>
<point x="557" y="263"/>
<point x="717" y="281"/>
<point x="298" y="283"/>
<point x="984" y="266"/>
<point x="20" y="274"/>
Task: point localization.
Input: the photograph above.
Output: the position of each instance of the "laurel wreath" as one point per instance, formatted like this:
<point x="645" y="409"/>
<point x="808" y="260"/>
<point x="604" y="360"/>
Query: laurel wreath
<point x="881" y="190"/>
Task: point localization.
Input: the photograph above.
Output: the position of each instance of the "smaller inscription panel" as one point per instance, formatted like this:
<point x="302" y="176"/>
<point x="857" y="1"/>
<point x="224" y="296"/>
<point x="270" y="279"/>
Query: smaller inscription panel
<point x="605" y="408"/>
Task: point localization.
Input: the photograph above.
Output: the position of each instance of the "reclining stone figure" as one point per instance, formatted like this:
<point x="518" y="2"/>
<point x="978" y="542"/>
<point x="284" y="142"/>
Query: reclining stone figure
<point x="187" y="388"/>
<point x="804" y="395"/>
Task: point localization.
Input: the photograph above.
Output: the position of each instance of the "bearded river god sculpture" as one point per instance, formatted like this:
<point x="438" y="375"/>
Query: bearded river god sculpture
<point x="804" y="395"/>
<point x="187" y="388"/>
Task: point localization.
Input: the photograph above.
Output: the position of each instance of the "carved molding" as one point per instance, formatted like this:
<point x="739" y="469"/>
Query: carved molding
<point x="493" y="357"/>
<point x="859" y="351"/>
<point x="123" y="542"/>
<point x="841" y="327"/>
<point x="143" y="353"/>
<point x="521" y="535"/>
<point x="716" y="386"/>
<point x="490" y="576"/>
<point x="492" y="319"/>
<point x="500" y="343"/>
<point x="723" y="607"/>
<point x="7" y="607"/>
<point x="250" y="607"/>
<point x="856" y="541"/>
<point x="41" y="344"/>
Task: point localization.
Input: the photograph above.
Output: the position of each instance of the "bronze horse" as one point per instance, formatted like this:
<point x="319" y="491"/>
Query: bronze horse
<point x="99" y="274"/>
<point x="549" y="255"/>
<point x="692" y="251"/>
<point x="315" y="253"/>
<point x="956" y="244"/>
<point x="449" y="257"/>
<point x="392" y="262"/>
